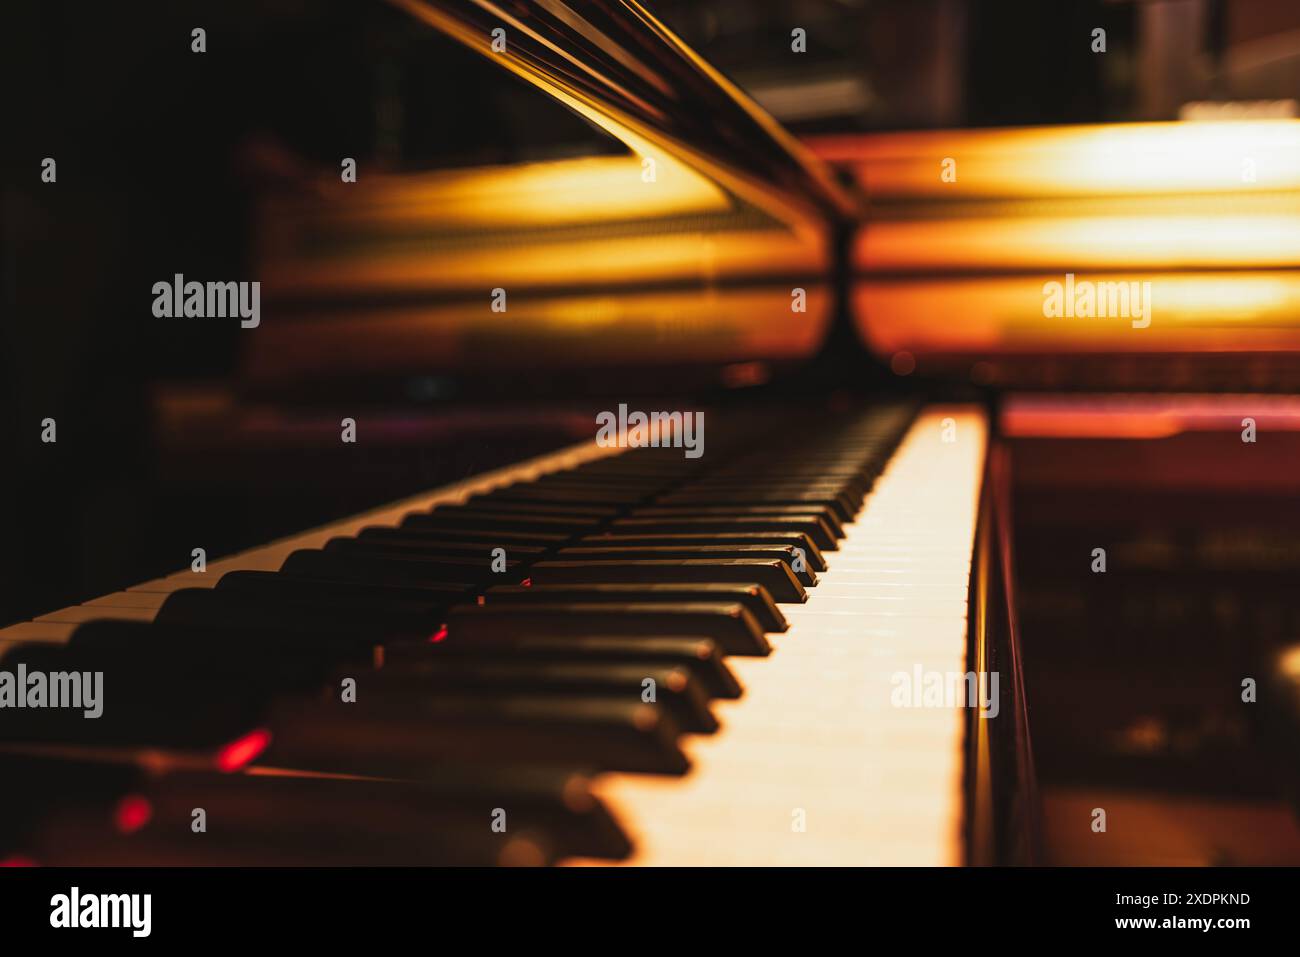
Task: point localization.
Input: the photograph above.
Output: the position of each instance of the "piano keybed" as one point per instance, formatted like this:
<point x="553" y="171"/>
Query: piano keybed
<point x="674" y="661"/>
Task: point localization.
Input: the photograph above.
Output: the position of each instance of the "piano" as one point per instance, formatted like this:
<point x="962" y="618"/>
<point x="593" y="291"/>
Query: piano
<point x="879" y="558"/>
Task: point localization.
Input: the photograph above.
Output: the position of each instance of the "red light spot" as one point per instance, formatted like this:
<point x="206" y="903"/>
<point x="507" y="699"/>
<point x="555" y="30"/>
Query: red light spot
<point x="133" y="812"/>
<point x="17" y="860"/>
<point x="481" y="600"/>
<point x="438" y="635"/>
<point x="242" y="751"/>
<point x="527" y="583"/>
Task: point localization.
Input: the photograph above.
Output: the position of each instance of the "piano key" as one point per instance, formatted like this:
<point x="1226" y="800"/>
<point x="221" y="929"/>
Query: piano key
<point x="675" y="688"/>
<point x="701" y="656"/>
<point x="382" y="569"/>
<point x="228" y="609"/>
<point x="773" y="574"/>
<point x="496" y="538"/>
<point x="660" y="553"/>
<point x="291" y="659"/>
<point x="755" y="598"/>
<point x="359" y="594"/>
<point x="524" y="513"/>
<point x="132" y="695"/>
<point x="816" y="732"/>
<point x="359" y="822"/>
<point x="826" y="514"/>
<point x="476" y="519"/>
<point x="129" y="599"/>
<point x="79" y="613"/>
<point x="811" y="525"/>
<point x="727" y="623"/>
<point x="556" y="802"/>
<point x="844" y="506"/>
<point x="490" y="502"/>
<point x="388" y="737"/>
<point x="563" y="494"/>
<point x="417" y="546"/>
<point x="813" y="557"/>
<point x="53" y="632"/>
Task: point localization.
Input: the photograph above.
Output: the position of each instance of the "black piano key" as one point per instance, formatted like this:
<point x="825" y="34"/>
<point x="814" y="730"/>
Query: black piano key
<point x="423" y="545"/>
<point x="457" y="517"/>
<point x="773" y="574"/>
<point x="754" y="597"/>
<point x="312" y="821"/>
<point x="727" y="623"/>
<point x="590" y="552"/>
<point x="852" y="487"/>
<point x="571" y="494"/>
<point x="488" y="502"/>
<point x="813" y="557"/>
<point x="701" y="656"/>
<point x="497" y="538"/>
<point x="676" y="689"/>
<point x="810" y="525"/>
<point x="359" y="594"/>
<point x="140" y="702"/>
<point x="223" y="609"/>
<point x="825" y="513"/>
<point x="403" y="736"/>
<point x="283" y="652"/>
<point x="388" y="569"/>
<point x="844" y="506"/>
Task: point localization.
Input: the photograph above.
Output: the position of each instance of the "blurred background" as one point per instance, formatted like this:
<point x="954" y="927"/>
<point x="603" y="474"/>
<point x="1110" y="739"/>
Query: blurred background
<point x="176" y="434"/>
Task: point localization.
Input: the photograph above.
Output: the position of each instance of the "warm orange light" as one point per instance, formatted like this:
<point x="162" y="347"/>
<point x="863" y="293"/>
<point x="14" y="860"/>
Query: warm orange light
<point x="1191" y="237"/>
<point x="1205" y="216"/>
<point x="552" y="194"/>
<point x="1143" y="416"/>
<point x="1119" y="159"/>
<point x="1203" y="312"/>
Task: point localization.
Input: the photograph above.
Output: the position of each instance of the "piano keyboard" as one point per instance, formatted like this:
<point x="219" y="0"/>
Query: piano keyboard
<point x="501" y="716"/>
<point x="814" y="766"/>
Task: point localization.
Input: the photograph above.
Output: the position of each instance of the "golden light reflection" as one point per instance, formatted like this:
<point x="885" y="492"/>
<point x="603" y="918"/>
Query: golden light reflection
<point x="1262" y="240"/>
<point x="1216" y="312"/>
<point x="588" y="190"/>
<point x="591" y="330"/>
<point x="1207" y="214"/>
<point x="1119" y="159"/>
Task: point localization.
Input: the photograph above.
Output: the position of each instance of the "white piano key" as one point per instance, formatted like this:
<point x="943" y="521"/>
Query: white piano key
<point x="816" y="731"/>
<point x="39" y="631"/>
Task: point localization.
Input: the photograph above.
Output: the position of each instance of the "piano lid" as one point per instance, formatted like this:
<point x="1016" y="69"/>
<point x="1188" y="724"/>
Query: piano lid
<point x="618" y="65"/>
<point x="705" y="244"/>
<point x="1158" y="255"/>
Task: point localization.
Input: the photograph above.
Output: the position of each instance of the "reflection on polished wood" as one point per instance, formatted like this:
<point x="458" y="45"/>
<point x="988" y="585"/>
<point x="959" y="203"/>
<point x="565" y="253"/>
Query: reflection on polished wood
<point x="1219" y="312"/>
<point x="954" y="270"/>
<point x="1129" y="159"/>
